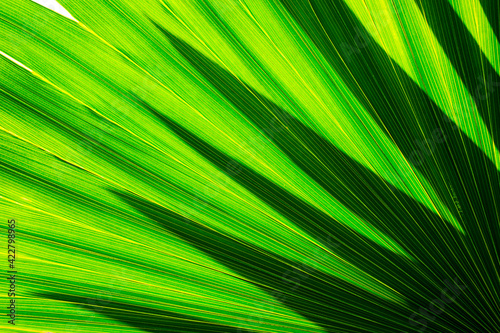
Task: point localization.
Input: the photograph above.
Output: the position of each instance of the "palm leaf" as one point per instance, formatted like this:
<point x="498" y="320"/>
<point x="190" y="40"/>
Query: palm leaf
<point x="261" y="166"/>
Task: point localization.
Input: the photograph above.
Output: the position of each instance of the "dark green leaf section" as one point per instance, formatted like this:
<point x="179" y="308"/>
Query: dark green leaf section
<point x="145" y="318"/>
